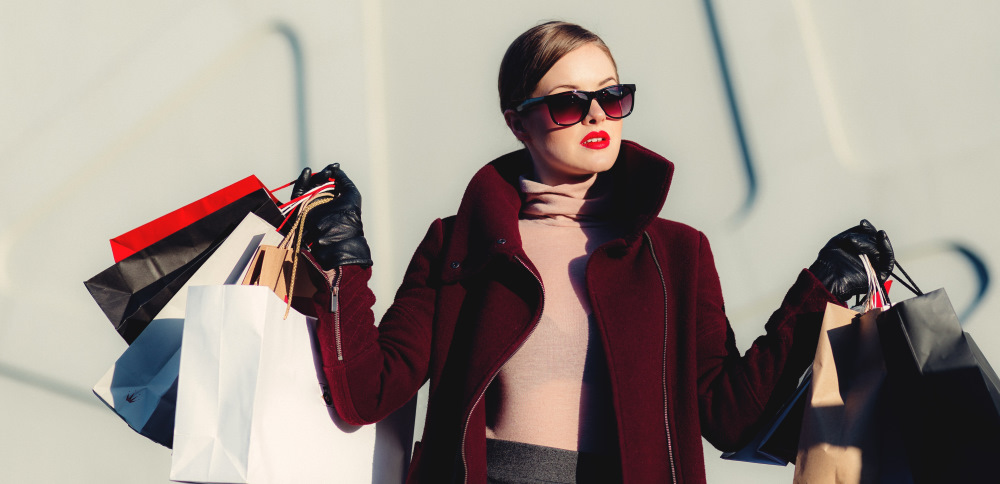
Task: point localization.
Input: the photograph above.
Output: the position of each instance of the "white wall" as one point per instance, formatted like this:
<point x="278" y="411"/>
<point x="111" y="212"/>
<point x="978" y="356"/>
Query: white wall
<point x="115" y="112"/>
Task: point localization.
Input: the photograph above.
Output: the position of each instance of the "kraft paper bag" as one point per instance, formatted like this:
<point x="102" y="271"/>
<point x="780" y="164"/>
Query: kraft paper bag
<point x="839" y="443"/>
<point x="286" y="268"/>
<point x="847" y="436"/>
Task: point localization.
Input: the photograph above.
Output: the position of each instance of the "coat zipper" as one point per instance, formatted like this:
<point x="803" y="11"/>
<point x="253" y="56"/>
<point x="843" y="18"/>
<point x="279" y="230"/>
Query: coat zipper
<point x="334" y="303"/>
<point x="335" y="309"/>
<point x="666" y="412"/>
<point x="468" y="418"/>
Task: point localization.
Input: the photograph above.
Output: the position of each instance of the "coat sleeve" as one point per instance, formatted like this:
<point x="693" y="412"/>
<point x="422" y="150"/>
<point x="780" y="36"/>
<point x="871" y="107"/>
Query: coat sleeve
<point x="372" y="371"/>
<point x="738" y="393"/>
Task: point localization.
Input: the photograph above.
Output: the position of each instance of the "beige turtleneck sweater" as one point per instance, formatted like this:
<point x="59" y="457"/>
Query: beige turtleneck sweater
<point x="555" y="391"/>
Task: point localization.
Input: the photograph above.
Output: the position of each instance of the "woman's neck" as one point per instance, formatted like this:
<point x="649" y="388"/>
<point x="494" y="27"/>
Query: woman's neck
<point x="575" y="204"/>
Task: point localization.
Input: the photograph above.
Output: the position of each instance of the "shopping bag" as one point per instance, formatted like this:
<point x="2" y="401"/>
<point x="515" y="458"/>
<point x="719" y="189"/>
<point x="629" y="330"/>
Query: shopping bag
<point x="838" y="441"/>
<point x="133" y="291"/>
<point x="843" y="439"/>
<point x="141" y="386"/>
<point x="250" y="406"/>
<point x="777" y="442"/>
<point x="945" y="396"/>
<point x="145" y="235"/>
<point x="286" y="268"/>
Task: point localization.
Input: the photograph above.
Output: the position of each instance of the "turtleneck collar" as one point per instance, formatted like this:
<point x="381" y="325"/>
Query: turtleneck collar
<point x="581" y="204"/>
<point x="488" y="217"/>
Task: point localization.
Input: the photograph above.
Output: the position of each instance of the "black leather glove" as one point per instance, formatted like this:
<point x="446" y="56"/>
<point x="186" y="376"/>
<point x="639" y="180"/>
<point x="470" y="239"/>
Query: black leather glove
<point x="333" y="230"/>
<point x="838" y="265"/>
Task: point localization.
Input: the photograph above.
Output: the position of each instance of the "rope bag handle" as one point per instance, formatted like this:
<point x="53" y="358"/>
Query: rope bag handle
<point x="293" y="240"/>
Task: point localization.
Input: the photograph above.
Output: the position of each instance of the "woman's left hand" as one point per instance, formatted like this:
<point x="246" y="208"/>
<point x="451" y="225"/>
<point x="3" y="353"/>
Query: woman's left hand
<point x="838" y="265"/>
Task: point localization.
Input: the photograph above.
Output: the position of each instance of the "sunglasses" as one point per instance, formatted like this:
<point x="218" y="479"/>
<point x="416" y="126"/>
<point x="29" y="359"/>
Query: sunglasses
<point x="571" y="107"/>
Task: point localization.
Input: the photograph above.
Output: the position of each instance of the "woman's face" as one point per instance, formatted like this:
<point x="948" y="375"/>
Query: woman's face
<point x="570" y="154"/>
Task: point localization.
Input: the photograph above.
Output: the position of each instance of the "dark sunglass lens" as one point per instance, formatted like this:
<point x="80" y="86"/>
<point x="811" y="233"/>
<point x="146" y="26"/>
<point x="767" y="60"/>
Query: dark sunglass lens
<point x="568" y="108"/>
<point x="616" y="101"/>
<point x="626" y="103"/>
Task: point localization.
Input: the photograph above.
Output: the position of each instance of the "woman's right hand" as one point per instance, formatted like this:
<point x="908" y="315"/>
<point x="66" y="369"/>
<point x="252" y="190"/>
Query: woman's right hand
<point x="333" y="230"/>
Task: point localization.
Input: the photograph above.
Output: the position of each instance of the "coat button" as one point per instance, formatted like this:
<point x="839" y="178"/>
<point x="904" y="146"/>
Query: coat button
<point x="455" y="265"/>
<point x="501" y="241"/>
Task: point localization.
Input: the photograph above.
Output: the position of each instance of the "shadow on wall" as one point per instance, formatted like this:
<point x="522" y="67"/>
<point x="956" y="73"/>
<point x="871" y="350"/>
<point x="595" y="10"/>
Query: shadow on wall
<point x="291" y="36"/>
<point x="975" y="261"/>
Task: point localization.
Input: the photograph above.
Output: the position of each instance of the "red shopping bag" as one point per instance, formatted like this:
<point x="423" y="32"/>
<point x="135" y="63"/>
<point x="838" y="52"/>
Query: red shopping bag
<point x="131" y="292"/>
<point x="145" y="235"/>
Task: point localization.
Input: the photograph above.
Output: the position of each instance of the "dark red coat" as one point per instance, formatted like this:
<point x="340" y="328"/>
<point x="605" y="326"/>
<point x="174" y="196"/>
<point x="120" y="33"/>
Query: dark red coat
<point x="470" y="297"/>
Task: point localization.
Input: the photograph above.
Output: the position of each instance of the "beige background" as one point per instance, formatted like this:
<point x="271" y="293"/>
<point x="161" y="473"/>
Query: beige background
<point x="114" y="112"/>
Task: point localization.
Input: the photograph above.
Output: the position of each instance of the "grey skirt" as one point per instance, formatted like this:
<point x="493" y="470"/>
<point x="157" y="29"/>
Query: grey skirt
<point x="519" y="463"/>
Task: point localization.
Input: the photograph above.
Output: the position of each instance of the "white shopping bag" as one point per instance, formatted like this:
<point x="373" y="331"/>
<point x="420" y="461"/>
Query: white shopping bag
<point x="250" y="405"/>
<point x="140" y="387"/>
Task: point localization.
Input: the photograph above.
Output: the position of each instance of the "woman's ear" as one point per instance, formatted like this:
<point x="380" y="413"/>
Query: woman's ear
<point x="516" y="125"/>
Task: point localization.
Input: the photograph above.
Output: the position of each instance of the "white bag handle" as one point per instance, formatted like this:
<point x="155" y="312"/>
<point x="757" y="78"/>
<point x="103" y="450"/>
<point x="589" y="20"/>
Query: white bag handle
<point x="876" y="295"/>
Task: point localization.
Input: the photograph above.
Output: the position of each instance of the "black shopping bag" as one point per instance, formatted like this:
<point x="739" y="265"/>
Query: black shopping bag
<point x="778" y="441"/>
<point x="132" y="291"/>
<point x="943" y="392"/>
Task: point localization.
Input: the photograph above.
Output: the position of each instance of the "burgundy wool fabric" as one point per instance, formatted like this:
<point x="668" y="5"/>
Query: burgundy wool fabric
<point x="470" y="296"/>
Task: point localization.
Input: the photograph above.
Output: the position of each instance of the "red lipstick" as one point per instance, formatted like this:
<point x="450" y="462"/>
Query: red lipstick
<point x="596" y="140"/>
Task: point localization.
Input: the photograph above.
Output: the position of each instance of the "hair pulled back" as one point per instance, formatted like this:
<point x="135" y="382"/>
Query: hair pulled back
<point x="534" y="52"/>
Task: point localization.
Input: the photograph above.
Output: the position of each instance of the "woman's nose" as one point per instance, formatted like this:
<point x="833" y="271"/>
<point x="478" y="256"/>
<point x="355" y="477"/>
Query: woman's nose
<point x="596" y="113"/>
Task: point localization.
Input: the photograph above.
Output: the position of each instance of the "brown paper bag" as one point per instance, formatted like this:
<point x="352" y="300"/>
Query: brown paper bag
<point x="285" y="268"/>
<point x="840" y="438"/>
<point x="846" y="437"/>
<point x="274" y="267"/>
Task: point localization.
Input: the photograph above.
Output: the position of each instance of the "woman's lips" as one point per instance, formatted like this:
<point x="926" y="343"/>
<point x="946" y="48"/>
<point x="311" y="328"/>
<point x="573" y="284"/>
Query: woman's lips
<point x="596" y="140"/>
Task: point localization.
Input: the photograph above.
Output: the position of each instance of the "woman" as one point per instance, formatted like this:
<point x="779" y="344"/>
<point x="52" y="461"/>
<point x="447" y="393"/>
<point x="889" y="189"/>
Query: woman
<point x="568" y="334"/>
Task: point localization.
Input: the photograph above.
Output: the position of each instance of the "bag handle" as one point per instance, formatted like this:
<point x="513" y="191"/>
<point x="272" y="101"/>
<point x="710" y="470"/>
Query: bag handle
<point x="288" y="209"/>
<point x="876" y="297"/>
<point x="282" y="187"/>
<point x="912" y="286"/>
<point x="914" y="289"/>
<point x="329" y="186"/>
<point x="293" y="240"/>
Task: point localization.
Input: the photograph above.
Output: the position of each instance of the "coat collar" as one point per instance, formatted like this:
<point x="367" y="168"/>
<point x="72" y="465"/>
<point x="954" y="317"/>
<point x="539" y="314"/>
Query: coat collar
<point x="487" y="221"/>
